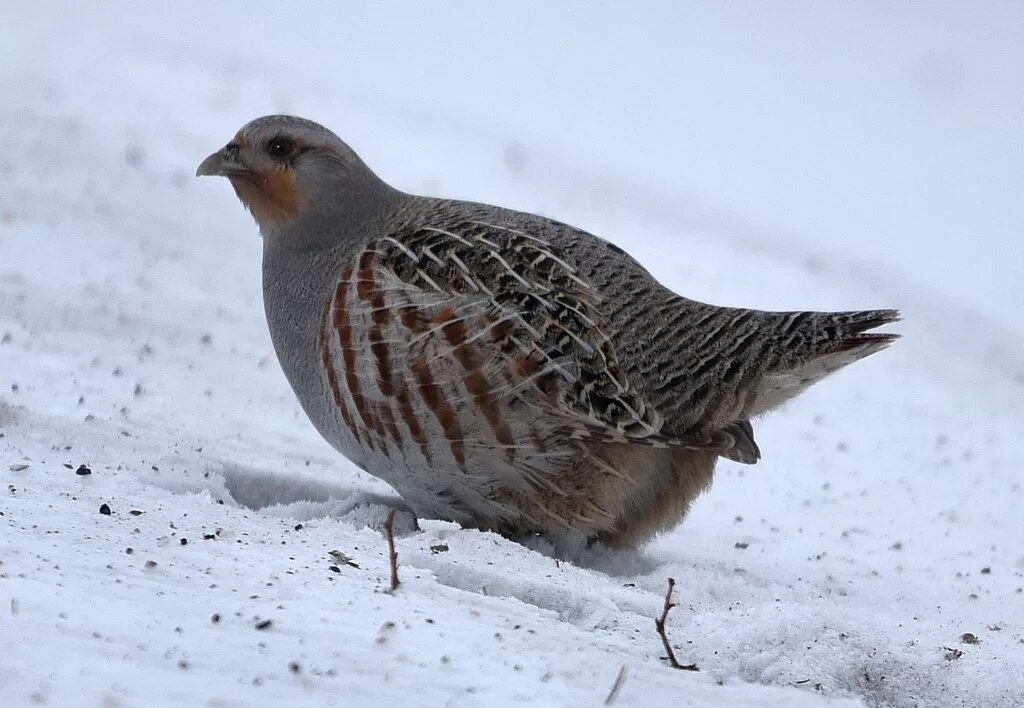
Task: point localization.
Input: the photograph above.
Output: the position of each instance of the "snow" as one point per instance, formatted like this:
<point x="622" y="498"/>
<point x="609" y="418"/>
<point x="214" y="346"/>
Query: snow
<point x="827" y="156"/>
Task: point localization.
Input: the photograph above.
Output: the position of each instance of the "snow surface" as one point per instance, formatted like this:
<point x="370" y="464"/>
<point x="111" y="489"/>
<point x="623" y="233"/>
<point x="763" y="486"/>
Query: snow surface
<point x="819" y="156"/>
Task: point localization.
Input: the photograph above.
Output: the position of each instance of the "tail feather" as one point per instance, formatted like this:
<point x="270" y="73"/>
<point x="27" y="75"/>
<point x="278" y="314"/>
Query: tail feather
<point x="853" y="329"/>
<point x="822" y="343"/>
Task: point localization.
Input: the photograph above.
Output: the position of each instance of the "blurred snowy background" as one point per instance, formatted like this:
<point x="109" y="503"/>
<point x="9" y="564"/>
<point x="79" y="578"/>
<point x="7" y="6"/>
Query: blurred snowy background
<point x="784" y="156"/>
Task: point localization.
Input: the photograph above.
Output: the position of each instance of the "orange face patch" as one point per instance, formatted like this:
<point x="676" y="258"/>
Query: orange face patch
<point x="270" y="195"/>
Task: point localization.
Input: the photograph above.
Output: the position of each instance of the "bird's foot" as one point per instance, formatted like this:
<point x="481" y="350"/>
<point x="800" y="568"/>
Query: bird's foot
<point x="372" y="510"/>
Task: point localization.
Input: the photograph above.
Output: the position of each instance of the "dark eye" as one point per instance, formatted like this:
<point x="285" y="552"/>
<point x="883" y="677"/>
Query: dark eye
<point x="279" y="148"/>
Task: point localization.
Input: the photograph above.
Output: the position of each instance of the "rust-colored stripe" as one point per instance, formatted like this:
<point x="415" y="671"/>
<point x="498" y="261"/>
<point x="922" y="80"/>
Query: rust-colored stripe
<point x="500" y="331"/>
<point x="412" y="319"/>
<point x="411" y="422"/>
<point x="480" y="389"/>
<point x="526" y="365"/>
<point x="332" y="375"/>
<point x="433" y="396"/>
<point x="477" y="385"/>
<point x="384" y="411"/>
<point x="380" y="315"/>
<point x="348" y="353"/>
<point x="364" y="278"/>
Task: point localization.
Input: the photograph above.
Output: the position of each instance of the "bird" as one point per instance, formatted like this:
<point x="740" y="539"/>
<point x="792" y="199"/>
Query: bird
<point x="504" y="370"/>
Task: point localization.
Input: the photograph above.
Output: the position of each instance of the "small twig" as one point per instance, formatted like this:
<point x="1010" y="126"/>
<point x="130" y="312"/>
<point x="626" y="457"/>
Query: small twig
<point x="389" y="531"/>
<point x="659" y="624"/>
<point x="619" y="680"/>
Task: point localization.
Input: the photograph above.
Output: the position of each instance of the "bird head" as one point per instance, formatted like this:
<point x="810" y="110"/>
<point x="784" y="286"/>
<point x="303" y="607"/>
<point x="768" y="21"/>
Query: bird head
<point x="280" y="166"/>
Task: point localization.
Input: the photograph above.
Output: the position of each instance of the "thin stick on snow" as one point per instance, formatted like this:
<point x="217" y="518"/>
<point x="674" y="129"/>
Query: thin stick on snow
<point x="389" y="531"/>
<point x="619" y="680"/>
<point x="659" y="624"/>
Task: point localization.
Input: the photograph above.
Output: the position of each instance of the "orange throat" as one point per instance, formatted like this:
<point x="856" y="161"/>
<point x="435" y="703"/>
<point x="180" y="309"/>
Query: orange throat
<point x="270" y="196"/>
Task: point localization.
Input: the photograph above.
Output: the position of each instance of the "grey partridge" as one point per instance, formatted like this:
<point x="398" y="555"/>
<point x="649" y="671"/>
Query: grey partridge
<point x="501" y="369"/>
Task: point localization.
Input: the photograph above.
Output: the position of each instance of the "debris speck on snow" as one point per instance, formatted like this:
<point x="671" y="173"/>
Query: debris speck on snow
<point x="341" y="558"/>
<point x="952" y="654"/>
<point x="386" y="631"/>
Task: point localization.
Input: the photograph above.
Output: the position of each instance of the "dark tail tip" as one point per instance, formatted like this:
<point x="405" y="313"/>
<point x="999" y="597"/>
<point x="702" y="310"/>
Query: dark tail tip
<point x="855" y="329"/>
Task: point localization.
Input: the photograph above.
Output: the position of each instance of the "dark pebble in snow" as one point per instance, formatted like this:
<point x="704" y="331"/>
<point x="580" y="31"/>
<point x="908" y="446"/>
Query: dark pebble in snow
<point x="209" y="536"/>
<point x="184" y="541"/>
<point x="986" y="570"/>
<point x="104" y="509"/>
<point x="294" y="667"/>
<point x="136" y="512"/>
<point x="215" y="618"/>
<point x="83" y="471"/>
<point x="264" y="624"/>
<point x="298" y="527"/>
<point x="334" y="569"/>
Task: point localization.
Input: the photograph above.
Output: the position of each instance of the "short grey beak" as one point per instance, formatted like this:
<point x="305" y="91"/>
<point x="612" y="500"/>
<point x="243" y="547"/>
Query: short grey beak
<point x="223" y="163"/>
